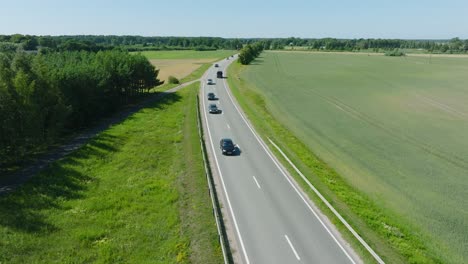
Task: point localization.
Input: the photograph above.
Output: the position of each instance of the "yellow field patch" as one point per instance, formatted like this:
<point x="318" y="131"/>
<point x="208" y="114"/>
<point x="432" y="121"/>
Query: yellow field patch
<point x="178" y="68"/>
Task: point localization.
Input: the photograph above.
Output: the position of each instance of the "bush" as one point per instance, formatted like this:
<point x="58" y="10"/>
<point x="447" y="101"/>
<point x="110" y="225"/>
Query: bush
<point x="173" y="80"/>
<point x="395" y="53"/>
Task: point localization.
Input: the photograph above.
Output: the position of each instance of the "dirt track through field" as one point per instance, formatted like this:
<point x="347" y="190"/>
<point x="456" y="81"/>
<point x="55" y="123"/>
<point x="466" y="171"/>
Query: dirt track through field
<point x="446" y="108"/>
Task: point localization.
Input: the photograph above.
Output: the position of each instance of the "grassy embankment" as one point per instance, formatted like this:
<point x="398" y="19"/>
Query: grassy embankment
<point x="323" y="105"/>
<point x="137" y="193"/>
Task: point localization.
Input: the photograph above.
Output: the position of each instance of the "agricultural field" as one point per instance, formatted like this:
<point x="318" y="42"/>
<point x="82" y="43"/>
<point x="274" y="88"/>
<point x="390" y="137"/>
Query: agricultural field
<point x="137" y="193"/>
<point x="179" y="68"/>
<point x="181" y="64"/>
<point x="394" y="128"/>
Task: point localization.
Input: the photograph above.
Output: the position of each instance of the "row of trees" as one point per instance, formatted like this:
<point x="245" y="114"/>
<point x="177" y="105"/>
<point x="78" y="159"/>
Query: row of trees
<point x="454" y="45"/>
<point x="43" y="96"/>
<point x="132" y="43"/>
<point x="249" y="52"/>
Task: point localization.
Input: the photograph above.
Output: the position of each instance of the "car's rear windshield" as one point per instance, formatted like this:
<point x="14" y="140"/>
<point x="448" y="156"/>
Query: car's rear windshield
<point x="227" y="143"/>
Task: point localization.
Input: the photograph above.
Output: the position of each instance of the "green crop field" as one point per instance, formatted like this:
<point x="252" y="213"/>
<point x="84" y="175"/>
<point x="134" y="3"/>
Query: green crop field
<point x="137" y="193"/>
<point x="396" y="129"/>
<point x="188" y="54"/>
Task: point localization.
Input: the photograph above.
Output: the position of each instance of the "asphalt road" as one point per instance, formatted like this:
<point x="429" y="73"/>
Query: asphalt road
<point x="273" y="221"/>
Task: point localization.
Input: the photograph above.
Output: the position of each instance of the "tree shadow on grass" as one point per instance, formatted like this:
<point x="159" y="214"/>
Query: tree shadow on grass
<point x="25" y="209"/>
<point x="9" y="182"/>
<point x="257" y="62"/>
<point x="155" y="100"/>
<point x="165" y="99"/>
<point x="159" y="101"/>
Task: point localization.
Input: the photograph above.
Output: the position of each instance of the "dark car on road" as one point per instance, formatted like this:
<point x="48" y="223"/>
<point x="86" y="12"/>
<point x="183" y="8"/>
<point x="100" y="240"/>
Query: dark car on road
<point x="219" y="74"/>
<point x="211" y="96"/>
<point x="216" y="65"/>
<point x="213" y="109"/>
<point x="227" y="146"/>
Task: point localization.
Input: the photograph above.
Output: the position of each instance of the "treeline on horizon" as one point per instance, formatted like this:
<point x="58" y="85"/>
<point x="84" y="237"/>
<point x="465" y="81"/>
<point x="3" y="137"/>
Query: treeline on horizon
<point x="454" y="45"/>
<point x="129" y="43"/>
<point x="44" y="96"/>
<point x="140" y="43"/>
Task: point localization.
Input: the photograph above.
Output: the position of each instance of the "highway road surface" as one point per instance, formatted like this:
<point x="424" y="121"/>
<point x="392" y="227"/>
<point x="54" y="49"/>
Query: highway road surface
<point x="273" y="222"/>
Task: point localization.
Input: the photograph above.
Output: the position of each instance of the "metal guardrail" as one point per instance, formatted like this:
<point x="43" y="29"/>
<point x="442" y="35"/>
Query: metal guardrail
<point x="223" y="239"/>
<point x="334" y="211"/>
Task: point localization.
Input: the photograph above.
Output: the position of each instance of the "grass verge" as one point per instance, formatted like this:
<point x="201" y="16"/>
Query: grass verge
<point x="394" y="241"/>
<point x="137" y="193"/>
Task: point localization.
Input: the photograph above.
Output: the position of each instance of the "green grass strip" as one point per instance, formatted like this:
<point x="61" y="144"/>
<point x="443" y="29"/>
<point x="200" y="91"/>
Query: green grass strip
<point x="137" y="193"/>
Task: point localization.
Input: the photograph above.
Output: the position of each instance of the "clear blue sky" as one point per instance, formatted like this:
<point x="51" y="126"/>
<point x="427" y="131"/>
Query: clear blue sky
<point x="408" y="19"/>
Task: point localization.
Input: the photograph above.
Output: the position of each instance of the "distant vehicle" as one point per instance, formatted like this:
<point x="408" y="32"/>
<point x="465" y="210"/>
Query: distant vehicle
<point x="227" y="146"/>
<point x="213" y="109"/>
<point x="216" y="65"/>
<point x="209" y="82"/>
<point x="211" y="96"/>
<point x="219" y="74"/>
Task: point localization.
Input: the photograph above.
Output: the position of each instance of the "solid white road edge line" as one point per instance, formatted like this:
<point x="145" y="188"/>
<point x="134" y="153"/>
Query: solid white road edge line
<point x="292" y="247"/>
<point x="224" y="186"/>
<point x="348" y="226"/>
<point x="265" y="148"/>
<point x="255" y="179"/>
